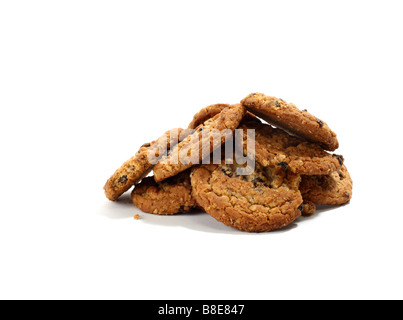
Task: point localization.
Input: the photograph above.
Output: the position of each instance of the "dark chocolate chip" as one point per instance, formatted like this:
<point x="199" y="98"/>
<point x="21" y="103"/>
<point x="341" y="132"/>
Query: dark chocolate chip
<point x="341" y="175"/>
<point x="123" y="179"/>
<point x="301" y="208"/>
<point x="283" y="165"/>
<point x="348" y="195"/>
<point x="305" y="110"/>
<point x="277" y="104"/>
<point x="321" y="124"/>
<point x="146" y="145"/>
<point x="340" y="158"/>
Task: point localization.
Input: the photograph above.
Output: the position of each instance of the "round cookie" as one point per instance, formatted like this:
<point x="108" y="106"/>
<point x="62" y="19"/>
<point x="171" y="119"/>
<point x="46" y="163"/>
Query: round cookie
<point x="333" y="189"/>
<point x="171" y="196"/>
<point x="139" y="166"/>
<point x="274" y="147"/>
<point x="206" y="138"/>
<point x="288" y="117"/>
<point x="250" y="203"/>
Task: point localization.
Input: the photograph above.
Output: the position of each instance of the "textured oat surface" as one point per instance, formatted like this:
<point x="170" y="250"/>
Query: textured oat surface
<point x="275" y="147"/>
<point x="206" y="113"/>
<point x="333" y="189"/>
<point x="210" y="133"/>
<point x="291" y="119"/>
<point x="248" y="203"/>
<point x="171" y="196"/>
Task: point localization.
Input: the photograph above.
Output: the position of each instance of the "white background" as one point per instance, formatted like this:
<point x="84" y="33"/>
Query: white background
<point x="84" y="83"/>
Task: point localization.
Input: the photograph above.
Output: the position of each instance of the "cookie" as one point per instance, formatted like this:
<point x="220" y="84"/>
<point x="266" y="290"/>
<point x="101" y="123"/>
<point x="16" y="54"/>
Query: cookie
<point x="171" y="196"/>
<point x="253" y="203"/>
<point x="333" y="189"/>
<point x="212" y="133"/>
<point x="275" y="147"/>
<point x="206" y="113"/>
<point x="139" y="166"/>
<point x="288" y="117"/>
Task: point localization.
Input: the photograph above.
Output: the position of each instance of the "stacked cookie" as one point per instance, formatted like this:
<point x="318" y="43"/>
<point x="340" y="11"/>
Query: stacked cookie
<point x="292" y="167"/>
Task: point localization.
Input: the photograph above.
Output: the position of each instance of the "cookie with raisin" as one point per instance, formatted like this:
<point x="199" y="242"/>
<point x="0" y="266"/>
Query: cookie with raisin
<point x="288" y="117"/>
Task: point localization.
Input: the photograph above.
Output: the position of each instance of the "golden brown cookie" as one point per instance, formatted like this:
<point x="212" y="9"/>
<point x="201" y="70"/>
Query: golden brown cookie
<point x="171" y="196"/>
<point x="253" y="203"/>
<point x="288" y="117"/>
<point x="275" y="147"/>
<point x="333" y="189"/>
<point x="212" y="133"/>
<point x="139" y="166"/>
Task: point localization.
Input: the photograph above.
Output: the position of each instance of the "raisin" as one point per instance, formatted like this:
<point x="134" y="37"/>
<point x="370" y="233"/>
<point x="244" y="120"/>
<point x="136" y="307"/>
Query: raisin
<point x="321" y="124"/>
<point x="182" y="209"/>
<point x="348" y="195"/>
<point x="340" y="158"/>
<point x="301" y="208"/>
<point x="341" y="175"/>
<point x="283" y="165"/>
<point x="277" y="104"/>
<point x="228" y="173"/>
<point x="123" y="179"/>
<point x="257" y="181"/>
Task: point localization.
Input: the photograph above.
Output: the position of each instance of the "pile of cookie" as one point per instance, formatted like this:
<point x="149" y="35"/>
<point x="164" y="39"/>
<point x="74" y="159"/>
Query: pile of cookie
<point x="293" y="169"/>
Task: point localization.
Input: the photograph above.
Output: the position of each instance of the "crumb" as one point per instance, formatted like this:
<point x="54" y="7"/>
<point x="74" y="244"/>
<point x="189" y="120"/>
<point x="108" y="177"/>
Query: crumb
<point x="136" y="217"/>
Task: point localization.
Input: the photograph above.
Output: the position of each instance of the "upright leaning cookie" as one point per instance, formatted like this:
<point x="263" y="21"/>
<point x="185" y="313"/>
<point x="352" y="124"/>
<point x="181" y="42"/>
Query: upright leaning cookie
<point x="139" y="166"/>
<point x="288" y="117"/>
<point x="333" y="189"/>
<point x="171" y="196"/>
<point x="255" y="203"/>
<point x="207" y="137"/>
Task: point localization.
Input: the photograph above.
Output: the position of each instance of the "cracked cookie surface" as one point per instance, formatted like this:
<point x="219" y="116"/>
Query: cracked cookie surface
<point x="333" y="189"/>
<point x="288" y="117"/>
<point x="253" y="203"/>
<point x="206" y="113"/>
<point x="171" y="196"/>
<point x="139" y="166"/>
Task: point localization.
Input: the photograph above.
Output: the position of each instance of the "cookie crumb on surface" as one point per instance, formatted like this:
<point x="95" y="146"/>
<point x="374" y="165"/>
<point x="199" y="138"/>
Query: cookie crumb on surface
<point x="136" y="217"/>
